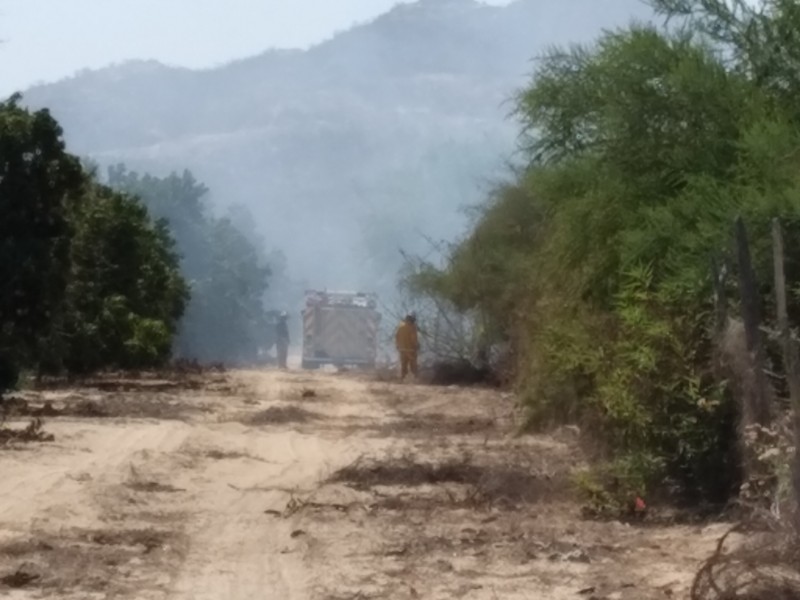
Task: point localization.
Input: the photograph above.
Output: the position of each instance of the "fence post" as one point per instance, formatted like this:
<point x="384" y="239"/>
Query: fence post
<point x="756" y="405"/>
<point x="790" y="352"/>
<point x="720" y="298"/>
<point x="436" y="330"/>
<point x="791" y="360"/>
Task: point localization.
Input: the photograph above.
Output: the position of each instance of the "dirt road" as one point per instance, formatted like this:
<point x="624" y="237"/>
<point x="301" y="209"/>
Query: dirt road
<point x="256" y="484"/>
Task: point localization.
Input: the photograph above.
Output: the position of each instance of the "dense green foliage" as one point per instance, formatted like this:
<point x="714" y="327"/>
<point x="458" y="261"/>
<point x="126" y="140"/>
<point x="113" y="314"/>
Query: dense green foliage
<point x="90" y="281"/>
<point x="228" y="273"/>
<point x="38" y="182"/>
<point x="93" y="280"/>
<point x="642" y="150"/>
<point x="125" y="295"/>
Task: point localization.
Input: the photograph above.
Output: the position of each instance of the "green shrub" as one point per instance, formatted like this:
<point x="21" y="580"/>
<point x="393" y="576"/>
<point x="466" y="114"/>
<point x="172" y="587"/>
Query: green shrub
<point x="595" y="262"/>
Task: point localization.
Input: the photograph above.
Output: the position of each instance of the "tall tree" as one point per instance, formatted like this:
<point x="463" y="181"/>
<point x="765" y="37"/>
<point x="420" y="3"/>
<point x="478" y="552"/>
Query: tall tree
<point x="126" y="295"/>
<point x="38" y="183"/>
<point x="228" y="274"/>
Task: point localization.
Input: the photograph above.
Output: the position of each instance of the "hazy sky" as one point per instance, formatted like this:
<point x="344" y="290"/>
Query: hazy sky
<point x="45" y="40"/>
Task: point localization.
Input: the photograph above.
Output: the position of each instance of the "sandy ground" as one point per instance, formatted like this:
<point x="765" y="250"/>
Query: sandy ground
<point x="260" y="484"/>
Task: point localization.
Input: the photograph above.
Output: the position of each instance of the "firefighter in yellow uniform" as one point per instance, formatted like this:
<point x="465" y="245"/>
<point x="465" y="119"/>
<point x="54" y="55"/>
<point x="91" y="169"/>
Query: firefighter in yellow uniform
<point x="407" y="343"/>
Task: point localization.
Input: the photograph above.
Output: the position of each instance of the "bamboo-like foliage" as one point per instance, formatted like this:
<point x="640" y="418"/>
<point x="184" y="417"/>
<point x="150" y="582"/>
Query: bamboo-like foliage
<point x="642" y="150"/>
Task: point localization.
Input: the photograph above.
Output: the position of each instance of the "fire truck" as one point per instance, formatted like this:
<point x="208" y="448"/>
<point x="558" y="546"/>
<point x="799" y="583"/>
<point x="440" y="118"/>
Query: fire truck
<point x="340" y="329"/>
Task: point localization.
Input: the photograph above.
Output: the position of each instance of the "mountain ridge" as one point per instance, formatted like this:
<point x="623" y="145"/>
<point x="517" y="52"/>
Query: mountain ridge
<point x="369" y="141"/>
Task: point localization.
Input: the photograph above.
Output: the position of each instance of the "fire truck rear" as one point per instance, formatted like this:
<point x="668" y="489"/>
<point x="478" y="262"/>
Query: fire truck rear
<point x="340" y="329"/>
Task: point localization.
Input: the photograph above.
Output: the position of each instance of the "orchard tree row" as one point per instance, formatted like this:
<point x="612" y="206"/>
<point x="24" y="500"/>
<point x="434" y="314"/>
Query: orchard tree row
<point x="120" y="274"/>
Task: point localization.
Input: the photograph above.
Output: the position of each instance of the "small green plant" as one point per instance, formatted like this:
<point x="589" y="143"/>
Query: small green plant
<point x="611" y="489"/>
<point x="598" y="499"/>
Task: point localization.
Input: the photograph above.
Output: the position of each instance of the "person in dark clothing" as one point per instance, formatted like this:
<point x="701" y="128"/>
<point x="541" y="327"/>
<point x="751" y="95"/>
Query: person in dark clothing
<point x="282" y="341"/>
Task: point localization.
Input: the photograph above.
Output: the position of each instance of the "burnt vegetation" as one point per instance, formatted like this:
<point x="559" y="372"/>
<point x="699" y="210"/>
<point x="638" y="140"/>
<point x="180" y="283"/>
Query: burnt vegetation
<point x="475" y="484"/>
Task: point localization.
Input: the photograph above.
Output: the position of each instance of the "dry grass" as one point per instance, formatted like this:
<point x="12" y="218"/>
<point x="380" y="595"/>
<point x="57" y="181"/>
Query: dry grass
<point x="88" y="561"/>
<point x="434" y="424"/>
<point x="130" y="381"/>
<point x="148" y="539"/>
<point x="144" y="484"/>
<point x="140" y="406"/>
<point x="385" y="375"/>
<point x="146" y="385"/>
<point x="405" y="471"/>
<point x="135" y="405"/>
<point x="483" y="484"/>
<point x="153" y="487"/>
<point x="305" y="395"/>
<point x="218" y="454"/>
<point x="26" y="547"/>
<point x="764" y="565"/>
<point x="34" y="432"/>
<point x="225" y="455"/>
<point x="280" y="415"/>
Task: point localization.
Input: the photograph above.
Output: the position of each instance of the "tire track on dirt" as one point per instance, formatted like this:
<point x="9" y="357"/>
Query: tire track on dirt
<point x="77" y="518"/>
<point x="70" y="474"/>
<point x="239" y="550"/>
<point x="439" y="500"/>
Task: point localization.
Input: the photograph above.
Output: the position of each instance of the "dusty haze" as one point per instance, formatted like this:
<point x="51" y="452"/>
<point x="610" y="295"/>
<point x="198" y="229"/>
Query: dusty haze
<point x="346" y="152"/>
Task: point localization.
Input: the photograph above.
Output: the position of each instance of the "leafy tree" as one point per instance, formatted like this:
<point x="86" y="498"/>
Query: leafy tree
<point x="125" y="295"/>
<point x="38" y="183"/>
<point x="225" y="319"/>
<point x="90" y="281"/>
